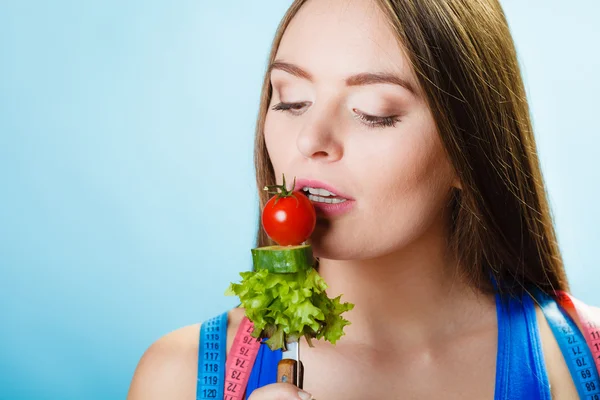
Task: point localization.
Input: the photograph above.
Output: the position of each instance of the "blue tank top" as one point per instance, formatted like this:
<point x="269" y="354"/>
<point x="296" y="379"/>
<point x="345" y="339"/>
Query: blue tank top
<point x="520" y="369"/>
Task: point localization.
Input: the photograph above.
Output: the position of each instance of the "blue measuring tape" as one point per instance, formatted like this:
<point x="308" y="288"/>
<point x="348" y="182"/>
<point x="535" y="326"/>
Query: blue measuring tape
<point x="573" y="346"/>
<point x="211" y="358"/>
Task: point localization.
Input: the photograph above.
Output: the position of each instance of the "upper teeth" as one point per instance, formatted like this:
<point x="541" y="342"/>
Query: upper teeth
<point x="318" y="191"/>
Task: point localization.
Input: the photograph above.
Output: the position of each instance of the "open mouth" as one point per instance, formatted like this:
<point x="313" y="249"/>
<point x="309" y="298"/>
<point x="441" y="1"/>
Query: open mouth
<point x="319" y="195"/>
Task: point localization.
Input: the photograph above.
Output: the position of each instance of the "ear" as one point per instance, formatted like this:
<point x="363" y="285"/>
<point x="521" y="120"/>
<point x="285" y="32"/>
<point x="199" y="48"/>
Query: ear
<point x="456" y="183"/>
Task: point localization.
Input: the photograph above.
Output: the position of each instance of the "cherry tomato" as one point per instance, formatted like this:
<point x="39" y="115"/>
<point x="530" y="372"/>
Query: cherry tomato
<point x="289" y="217"/>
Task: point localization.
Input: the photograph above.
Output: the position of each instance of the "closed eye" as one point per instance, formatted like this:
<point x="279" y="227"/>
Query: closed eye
<point x="376" y="122"/>
<point x="293" y="108"/>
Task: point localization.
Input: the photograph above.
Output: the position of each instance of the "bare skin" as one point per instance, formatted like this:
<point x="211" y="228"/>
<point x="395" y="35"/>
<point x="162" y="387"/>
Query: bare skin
<point x="418" y="329"/>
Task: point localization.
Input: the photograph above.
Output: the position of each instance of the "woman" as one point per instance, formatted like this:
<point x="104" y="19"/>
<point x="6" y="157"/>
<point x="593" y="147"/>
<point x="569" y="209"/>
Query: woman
<point x="414" y="112"/>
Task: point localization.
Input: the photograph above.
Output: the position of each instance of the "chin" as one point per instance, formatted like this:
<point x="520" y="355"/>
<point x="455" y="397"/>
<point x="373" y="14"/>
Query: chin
<point x="328" y="247"/>
<point x="320" y="246"/>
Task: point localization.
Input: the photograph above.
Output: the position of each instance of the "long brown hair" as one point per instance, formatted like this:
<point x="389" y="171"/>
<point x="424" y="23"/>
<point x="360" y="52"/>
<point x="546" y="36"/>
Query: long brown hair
<point x="465" y="61"/>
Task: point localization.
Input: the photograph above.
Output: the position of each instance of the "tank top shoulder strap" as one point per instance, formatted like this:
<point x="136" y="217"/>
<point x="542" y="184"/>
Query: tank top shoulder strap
<point x="264" y="371"/>
<point x="520" y="367"/>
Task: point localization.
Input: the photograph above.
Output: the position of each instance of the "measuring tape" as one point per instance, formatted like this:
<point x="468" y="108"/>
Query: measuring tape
<point x="240" y="361"/>
<point x="591" y="331"/>
<point x="576" y="352"/>
<point x="211" y="358"/>
<point x="216" y="380"/>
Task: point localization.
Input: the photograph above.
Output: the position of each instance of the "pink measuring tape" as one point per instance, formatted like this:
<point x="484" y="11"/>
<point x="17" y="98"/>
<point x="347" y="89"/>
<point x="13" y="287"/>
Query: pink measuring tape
<point x="240" y="361"/>
<point x="591" y="331"/>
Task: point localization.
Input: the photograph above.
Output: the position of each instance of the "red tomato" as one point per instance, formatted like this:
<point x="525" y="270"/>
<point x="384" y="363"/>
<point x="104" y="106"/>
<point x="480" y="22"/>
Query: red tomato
<point x="289" y="218"/>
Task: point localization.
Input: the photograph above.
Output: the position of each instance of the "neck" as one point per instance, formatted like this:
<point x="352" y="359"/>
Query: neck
<point x="410" y="297"/>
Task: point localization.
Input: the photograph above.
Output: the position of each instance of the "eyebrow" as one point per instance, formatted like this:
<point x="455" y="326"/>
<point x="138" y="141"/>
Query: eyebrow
<point x="365" y="78"/>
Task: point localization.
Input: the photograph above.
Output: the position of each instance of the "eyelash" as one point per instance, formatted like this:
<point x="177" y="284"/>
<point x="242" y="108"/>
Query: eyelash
<point x="369" y="120"/>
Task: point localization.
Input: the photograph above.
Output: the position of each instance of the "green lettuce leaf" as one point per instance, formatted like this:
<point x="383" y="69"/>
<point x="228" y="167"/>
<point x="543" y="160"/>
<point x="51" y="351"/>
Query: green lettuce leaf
<point x="284" y="307"/>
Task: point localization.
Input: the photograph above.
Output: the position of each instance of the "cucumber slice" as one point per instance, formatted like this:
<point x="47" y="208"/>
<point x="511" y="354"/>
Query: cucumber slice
<point x="283" y="259"/>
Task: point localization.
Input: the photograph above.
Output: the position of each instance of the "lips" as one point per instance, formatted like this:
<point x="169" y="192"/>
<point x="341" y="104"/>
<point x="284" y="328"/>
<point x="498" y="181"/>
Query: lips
<point x="313" y="183"/>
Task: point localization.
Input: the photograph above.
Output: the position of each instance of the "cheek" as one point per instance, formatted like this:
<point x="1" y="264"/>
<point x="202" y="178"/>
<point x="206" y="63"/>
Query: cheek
<point x="419" y="175"/>
<point x="416" y="180"/>
<point x="406" y="189"/>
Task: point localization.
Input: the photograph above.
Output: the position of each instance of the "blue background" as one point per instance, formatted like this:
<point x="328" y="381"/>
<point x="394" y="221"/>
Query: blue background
<point x="127" y="198"/>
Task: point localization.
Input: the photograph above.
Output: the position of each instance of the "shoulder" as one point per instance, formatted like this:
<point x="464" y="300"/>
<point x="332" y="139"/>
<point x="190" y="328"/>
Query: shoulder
<point x="168" y="368"/>
<point x="562" y="386"/>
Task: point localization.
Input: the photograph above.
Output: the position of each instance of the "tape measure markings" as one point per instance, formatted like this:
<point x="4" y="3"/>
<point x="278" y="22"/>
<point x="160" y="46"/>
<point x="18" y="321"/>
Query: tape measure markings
<point x="240" y="361"/>
<point x="591" y="331"/>
<point x="575" y="351"/>
<point x="211" y="357"/>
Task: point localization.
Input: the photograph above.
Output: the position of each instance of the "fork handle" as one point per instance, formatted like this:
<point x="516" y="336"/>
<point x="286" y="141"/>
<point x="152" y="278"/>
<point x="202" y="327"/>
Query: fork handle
<point x="287" y="371"/>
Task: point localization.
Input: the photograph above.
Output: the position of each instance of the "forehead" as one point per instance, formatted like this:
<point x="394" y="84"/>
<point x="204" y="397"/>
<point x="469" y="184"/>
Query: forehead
<point x="337" y="38"/>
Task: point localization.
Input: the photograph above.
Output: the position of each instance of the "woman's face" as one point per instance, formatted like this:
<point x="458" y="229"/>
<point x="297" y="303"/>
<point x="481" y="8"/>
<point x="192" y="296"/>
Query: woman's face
<point x="367" y="136"/>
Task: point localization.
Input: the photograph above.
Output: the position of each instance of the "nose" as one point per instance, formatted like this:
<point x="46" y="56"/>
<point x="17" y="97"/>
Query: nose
<point x="319" y="141"/>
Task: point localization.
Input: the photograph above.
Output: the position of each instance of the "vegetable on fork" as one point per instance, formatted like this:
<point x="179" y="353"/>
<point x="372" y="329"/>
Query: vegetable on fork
<point x="285" y="296"/>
